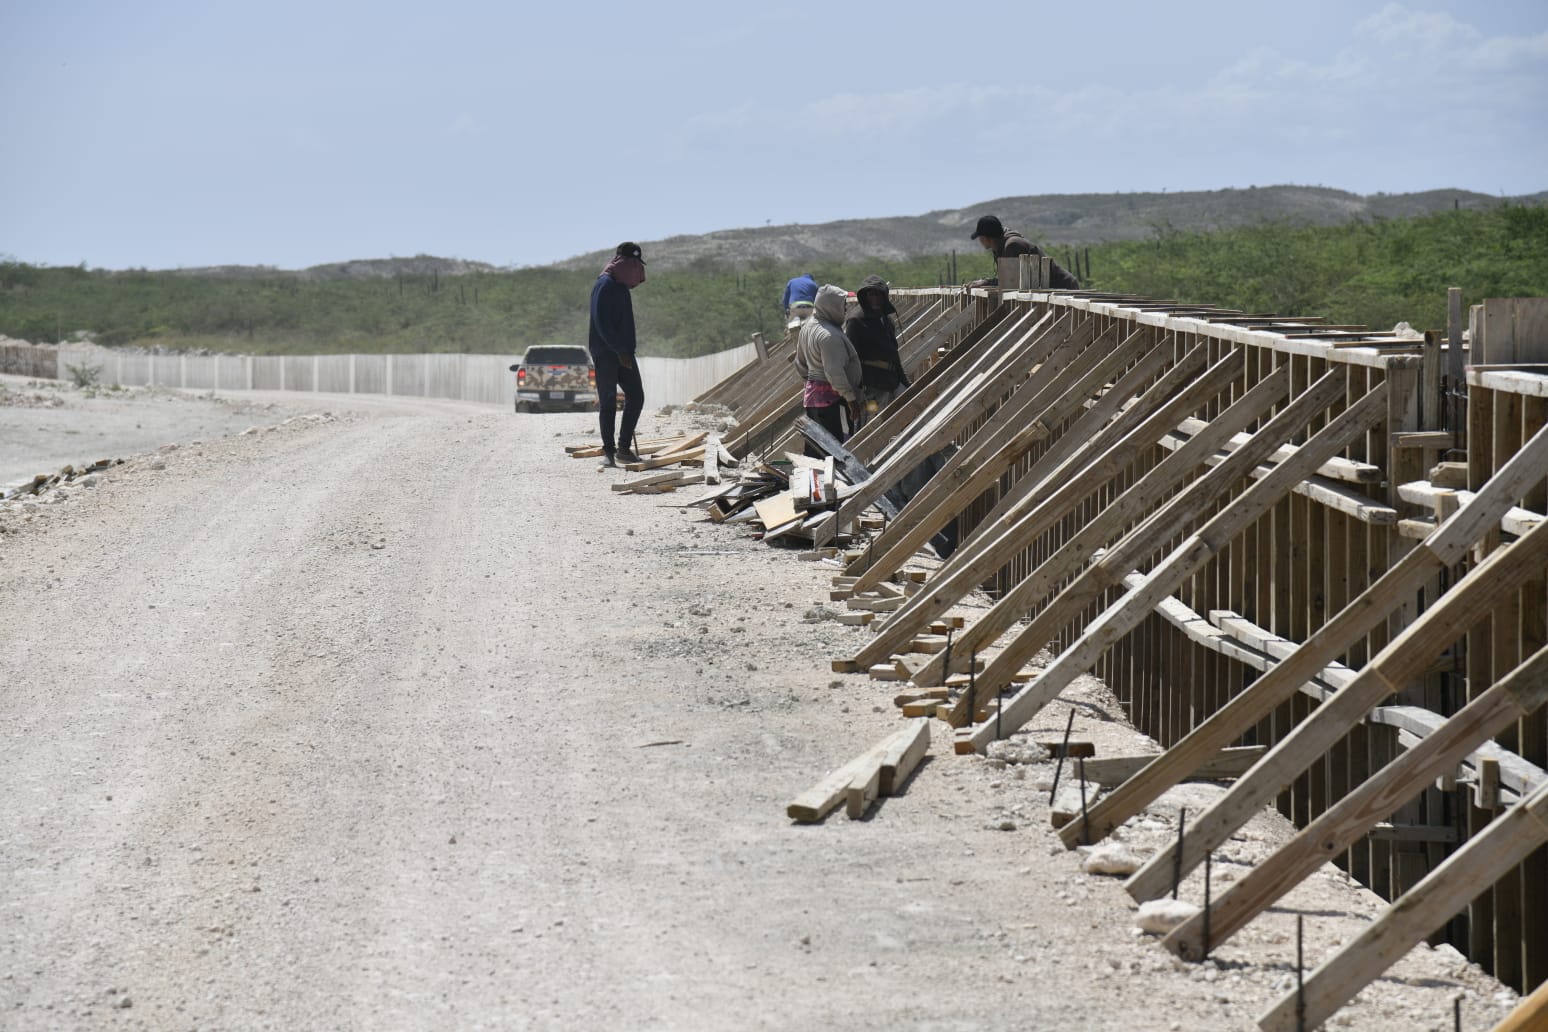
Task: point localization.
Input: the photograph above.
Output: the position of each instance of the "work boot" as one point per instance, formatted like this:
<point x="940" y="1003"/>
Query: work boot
<point x="627" y="455"/>
<point x="608" y="460"/>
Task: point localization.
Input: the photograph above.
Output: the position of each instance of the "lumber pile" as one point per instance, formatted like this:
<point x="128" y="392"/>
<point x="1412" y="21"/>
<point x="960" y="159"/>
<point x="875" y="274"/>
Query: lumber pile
<point x="881" y="770"/>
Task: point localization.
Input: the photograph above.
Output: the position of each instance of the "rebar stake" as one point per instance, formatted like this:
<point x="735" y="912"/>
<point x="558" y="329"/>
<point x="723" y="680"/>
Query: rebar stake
<point x="1300" y="982"/>
<point x="1456" y="1013"/>
<point x="1182" y="824"/>
<point x="1059" y="767"/>
<point x="972" y="685"/>
<point x="1204" y="955"/>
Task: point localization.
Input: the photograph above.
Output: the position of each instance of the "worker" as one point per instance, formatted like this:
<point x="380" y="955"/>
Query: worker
<point x="796" y="301"/>
<point x="828" y="364"/>
<point x="871" y="330"/>
<point x="994" y="237"/>
<point x="612" y="344"/>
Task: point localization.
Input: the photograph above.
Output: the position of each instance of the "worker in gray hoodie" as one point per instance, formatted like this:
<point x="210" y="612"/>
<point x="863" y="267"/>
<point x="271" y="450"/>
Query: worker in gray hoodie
<point x="829" y="364"/>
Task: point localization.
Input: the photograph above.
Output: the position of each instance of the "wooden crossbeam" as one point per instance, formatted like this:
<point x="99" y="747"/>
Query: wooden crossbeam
<point x="993" y="547"/>
<point x="1469" y="871"/>
<point x="1197" y="549"/>
<point x="1471" y="599"/>
<point x="926" y="389"/>
<point x="1444" y="548"/>
<point x="1049" y="357"/>
<point x="1130" y="520"/>
<point x="998" y="445"/>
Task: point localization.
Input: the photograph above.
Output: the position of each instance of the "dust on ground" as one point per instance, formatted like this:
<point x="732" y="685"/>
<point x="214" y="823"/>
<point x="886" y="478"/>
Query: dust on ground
<point x="397" y="717"/>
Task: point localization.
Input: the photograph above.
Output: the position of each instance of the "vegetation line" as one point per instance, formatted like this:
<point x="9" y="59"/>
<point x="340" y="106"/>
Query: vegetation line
<point x="1375" y="273"/>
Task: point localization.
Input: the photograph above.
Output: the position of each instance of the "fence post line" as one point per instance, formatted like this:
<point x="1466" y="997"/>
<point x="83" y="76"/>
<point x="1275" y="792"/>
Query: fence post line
<point x="352" y="373"/>
<point x="316" y="372"/>
<point x="424" y="383"/>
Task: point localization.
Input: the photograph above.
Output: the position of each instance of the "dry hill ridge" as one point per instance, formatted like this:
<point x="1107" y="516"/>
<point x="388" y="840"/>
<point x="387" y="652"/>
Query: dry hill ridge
<point x="1053" y="219"/>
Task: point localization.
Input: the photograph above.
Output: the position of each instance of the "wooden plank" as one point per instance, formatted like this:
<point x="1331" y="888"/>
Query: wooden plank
<point x="970" y="566"/>
<point x="712" y="451"/>
<point x="1523" y="690"/>
<point x="1444" y="548"/>
<point x="776" y="511"/>
<point x="903" y="755"/>
<point x="1114" y="519"/>
<point x="818" y="801"/>
<point x="854" y="470"/>
<point x="1113" y="770"/>
<point x="1466" y="873"/>
<point x="863" y="790"/>
<point x="1054" y="359"/>
<point x="995" y="448"/>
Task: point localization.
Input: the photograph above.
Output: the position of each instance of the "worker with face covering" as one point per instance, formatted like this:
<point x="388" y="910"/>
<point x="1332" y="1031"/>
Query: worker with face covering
<point x="612" y="346"/>
<point x="828" y="363"/>
<point x="871" y="330"/>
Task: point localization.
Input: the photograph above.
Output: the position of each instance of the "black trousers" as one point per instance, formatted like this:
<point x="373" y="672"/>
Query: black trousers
<point x="611" y="375"/>
<point x="832" y="418"/>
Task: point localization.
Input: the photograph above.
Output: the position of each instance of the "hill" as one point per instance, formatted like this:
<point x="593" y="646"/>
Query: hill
<point x="1055" y="220"/>
<point x="1051" y="219"/>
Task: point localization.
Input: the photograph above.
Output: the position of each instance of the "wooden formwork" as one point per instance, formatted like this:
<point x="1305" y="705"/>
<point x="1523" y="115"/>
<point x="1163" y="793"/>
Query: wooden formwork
<point x="1232" y="519"/>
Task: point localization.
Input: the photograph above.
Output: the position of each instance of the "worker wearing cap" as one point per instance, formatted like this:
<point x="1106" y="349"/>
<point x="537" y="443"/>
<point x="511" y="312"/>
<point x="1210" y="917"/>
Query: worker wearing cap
<point x="1004" y="243"/>
<point x="612" y="347"/>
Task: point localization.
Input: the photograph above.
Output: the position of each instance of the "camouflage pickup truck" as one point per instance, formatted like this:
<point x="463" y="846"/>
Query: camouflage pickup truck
<point x="555" y="377"/>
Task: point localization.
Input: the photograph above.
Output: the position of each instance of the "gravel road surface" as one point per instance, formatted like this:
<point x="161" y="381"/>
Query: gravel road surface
<point x="398" y="718"/>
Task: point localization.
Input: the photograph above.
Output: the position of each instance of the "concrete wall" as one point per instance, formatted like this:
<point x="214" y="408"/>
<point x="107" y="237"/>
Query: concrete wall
<point x="480" y="378"/>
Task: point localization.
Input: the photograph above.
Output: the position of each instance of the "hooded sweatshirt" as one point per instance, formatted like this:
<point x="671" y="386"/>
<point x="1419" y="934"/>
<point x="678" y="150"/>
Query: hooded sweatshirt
<point x="875" y="339"/>
<point x="823" y="353"/>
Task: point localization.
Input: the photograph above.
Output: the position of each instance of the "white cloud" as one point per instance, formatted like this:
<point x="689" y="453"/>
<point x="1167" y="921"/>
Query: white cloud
<point x="1427" y="31"/>
<point x="465" y="125"/>
<point x="899" y="109"/>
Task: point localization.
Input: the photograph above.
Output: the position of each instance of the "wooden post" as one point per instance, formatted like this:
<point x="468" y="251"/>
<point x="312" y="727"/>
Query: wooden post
<point x="1454" y="341"/>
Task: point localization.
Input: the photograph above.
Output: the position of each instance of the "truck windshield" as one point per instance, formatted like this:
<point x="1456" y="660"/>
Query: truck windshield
<point x="557" y="356"/>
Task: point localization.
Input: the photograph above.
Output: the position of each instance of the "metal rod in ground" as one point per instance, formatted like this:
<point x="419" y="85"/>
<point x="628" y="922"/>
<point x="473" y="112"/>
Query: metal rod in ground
<point x="972" y="687"/>
<point x="1182" y="824"/>
<point x="1085" y="828"/>
<point x="1058" y="767"/>
<point x="1300" y="967"/>
<point x="947" y="653"/>
<point x="1208" y="857"/>
<point x="1456" y="1013"/>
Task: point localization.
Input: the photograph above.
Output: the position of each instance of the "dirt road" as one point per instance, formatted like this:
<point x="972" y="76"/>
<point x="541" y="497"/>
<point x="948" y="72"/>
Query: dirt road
<point x="402" y="720"/>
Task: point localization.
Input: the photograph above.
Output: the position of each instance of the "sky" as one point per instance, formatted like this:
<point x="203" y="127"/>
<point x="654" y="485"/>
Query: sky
<point x="181" y="134"/>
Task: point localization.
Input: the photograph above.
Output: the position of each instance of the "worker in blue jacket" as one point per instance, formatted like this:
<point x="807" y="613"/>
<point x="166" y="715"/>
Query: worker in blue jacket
<point x="612" y="347"/>
<point x="800" y="291"/>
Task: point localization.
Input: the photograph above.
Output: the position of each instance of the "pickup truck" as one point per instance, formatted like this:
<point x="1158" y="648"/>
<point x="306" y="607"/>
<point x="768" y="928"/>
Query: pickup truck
<point x="555" y="377"/>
